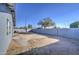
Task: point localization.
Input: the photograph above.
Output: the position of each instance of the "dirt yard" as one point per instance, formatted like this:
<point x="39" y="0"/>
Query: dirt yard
<point x="26" y="42"/>
<point x="38" y="44"/>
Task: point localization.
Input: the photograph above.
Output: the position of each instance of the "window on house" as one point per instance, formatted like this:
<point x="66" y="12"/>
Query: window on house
<point x="8" y="27"/>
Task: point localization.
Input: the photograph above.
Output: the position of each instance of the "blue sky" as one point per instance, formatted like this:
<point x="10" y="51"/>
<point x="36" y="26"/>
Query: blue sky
<point x="61" y="14"/>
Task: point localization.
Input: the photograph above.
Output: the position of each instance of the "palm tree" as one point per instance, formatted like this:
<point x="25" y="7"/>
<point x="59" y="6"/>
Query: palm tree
<point x="46" y="22"/>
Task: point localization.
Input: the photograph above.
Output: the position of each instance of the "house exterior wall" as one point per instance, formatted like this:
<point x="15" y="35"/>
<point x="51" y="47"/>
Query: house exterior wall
<point x="6" y="28"/>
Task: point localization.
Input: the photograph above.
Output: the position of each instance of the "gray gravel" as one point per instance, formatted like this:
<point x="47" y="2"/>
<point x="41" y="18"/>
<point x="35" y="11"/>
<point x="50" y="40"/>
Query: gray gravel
<point x="65" y="46"/>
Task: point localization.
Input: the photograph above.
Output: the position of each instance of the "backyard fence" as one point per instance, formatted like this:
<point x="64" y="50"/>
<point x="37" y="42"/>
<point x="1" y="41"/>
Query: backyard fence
<point x="65" y="32"/>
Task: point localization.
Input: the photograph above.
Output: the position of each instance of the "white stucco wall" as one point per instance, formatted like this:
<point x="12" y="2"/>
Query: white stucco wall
<point x="69" y="33"/>
<point x="4" y="38"/>
<point x="20" y="30"/>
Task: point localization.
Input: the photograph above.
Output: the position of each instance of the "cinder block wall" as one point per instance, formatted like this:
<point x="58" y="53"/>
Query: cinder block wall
<point x="4" y="37"/>
<point x="68" y="33"/>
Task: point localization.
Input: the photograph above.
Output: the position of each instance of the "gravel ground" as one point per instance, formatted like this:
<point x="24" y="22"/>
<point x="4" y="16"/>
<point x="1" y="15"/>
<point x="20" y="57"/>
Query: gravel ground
<point x="65" y="46"/>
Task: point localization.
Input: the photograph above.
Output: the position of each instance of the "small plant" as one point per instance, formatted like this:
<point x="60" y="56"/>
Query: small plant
<point x="29" y="26"/>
